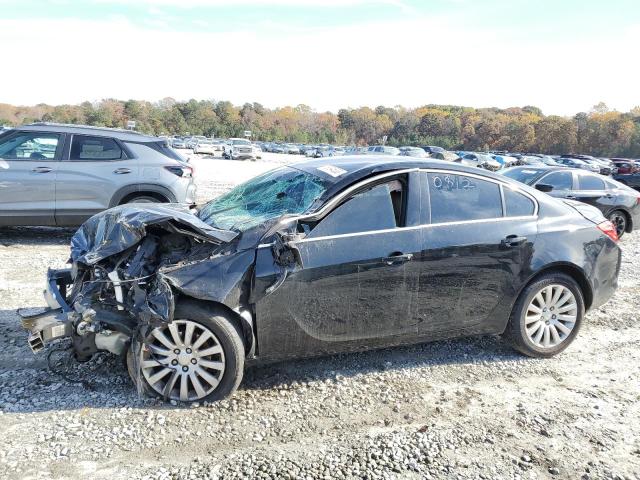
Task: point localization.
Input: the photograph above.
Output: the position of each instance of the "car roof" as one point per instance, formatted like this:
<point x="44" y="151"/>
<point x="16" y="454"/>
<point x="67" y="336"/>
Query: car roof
<point x="541" y="167"/>
<point x="357" y="167"/>
<point x="120" y="134"/>
<point x="361" y="167"/>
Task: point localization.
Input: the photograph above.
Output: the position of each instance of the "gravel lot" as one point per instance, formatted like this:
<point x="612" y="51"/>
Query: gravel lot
<point x="469" y="408"/>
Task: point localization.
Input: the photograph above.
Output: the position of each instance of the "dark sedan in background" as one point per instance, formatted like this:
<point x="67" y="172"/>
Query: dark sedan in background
<point x="628" y="172"/>
<point x="617" y="202"/>
<point x="326" y="256"/>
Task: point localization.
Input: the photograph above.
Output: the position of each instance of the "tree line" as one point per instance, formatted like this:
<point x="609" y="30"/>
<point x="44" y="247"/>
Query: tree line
<point x="600" y="131"/>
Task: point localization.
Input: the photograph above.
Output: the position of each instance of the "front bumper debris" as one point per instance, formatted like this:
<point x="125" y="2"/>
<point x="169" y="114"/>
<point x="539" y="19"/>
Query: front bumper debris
<point x="45" y="327"/>
<point x="55" y="292"/>
<point x="52" y="323"/>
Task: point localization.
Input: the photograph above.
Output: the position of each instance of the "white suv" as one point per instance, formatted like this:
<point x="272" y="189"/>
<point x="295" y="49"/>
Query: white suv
<point x="61" y="175"/>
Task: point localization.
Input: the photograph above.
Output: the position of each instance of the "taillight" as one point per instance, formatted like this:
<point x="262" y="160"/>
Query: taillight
<point x="180" y="171"/>
<point x="609" y="230"/>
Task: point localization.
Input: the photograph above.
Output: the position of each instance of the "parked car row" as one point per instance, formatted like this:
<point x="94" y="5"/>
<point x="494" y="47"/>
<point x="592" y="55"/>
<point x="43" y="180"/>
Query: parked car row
<point x="626" y="171"/>
<point x="231" y="148"/>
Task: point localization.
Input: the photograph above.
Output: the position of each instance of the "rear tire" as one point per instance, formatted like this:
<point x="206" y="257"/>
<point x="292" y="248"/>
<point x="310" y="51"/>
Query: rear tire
<point x="143" y="199"/>
<point x="619" y="220"/>
<point x="223" y="369"/>
<point x="542" y="325"/>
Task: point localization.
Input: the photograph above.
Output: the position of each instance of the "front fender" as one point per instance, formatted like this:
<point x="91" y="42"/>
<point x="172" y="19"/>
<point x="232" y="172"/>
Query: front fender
<point x="225" y="279"/>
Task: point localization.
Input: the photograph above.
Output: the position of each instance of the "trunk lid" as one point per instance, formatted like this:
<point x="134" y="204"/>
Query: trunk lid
<point x="589" y="212"/>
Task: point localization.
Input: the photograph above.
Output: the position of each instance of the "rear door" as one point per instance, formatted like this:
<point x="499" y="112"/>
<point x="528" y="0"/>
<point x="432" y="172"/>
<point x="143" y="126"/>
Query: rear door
<point x="28" y="165"/>
<point x="92" y="170"/>
<point x="479" y="239"/>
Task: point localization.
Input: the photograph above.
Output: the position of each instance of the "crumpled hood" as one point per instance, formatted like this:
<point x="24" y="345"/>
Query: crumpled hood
<point x="114" y="230"/>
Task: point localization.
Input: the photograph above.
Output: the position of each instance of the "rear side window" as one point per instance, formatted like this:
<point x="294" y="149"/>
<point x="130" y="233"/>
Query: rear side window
<point x="163" y="148"/>
<point x="558" y="180"/>
<point x="94" y="148"/>
<point x="516" y="204"/>
<point x="456" y="198"/>
<point x="590" y="182"/>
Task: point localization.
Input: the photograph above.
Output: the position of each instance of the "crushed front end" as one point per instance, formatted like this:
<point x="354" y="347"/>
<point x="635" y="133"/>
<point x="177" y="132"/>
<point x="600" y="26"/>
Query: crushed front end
<point x="115" y="290"/>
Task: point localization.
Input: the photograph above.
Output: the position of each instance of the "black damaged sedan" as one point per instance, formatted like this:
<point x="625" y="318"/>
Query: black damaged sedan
<point x="327" y="256"/>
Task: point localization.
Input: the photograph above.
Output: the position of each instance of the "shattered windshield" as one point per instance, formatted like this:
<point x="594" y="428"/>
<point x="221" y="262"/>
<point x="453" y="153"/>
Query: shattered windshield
<point x="278" y="192"/>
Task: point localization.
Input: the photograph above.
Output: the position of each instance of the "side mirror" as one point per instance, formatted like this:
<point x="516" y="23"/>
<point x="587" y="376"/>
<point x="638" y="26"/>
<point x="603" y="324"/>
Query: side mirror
<point x="543" y="187"/>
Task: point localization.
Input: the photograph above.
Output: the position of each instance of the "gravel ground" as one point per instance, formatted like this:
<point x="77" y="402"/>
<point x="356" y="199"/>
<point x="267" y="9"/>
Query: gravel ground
<point x="468" y="408"/>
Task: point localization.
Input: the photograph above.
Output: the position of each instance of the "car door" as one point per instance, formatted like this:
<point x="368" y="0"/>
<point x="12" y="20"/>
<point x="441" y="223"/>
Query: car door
<point x="92" y="170"/>
<point x="591" y="189"/>
<point x="28" y="166"/>
<point x="357" y="282"/>
<point x="479" y="238"/>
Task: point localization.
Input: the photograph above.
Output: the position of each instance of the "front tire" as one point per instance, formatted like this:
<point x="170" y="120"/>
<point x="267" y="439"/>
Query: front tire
<point x="196" y="358"/>
<point x="547" y="316"/>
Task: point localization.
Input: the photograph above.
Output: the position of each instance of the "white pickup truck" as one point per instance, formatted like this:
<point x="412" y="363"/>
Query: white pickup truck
<point x="240" y="149"/>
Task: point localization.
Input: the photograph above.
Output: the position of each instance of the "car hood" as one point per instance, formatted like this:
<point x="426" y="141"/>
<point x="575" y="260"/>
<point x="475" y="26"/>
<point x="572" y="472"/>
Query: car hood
<point x="117" y="229"/>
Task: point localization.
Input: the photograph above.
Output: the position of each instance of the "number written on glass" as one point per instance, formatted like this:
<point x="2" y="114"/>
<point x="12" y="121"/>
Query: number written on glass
<point x="452" y="182"/>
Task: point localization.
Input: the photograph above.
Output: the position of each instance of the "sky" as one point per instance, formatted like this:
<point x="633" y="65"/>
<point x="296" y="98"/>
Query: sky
<point x="563" y="56"/>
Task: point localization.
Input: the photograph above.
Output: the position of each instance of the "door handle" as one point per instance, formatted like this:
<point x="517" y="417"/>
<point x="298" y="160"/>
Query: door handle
<point x="513" y="241"/>
<point x="398" y="259"/>
<point x="122" y="171"/>
<point x="570" y="197"/>
<point x="41" y="170"/>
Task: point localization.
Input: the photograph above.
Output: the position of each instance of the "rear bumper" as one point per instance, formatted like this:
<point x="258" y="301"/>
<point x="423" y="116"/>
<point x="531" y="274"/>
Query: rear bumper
<point x="190" y="195"/>
<point x="635" y="218"/>
<point x="604" y="279"/>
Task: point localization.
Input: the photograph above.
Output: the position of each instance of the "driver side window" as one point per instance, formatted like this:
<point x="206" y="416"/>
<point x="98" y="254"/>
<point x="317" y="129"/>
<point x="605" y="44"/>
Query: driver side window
<point x="29" y="146"/>
<point x="559" y="180"/>
<point x="378" y="208"/>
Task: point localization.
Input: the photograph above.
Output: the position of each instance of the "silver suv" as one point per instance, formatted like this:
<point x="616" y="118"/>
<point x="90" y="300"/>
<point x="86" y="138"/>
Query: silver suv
<point x="53" y="174"/>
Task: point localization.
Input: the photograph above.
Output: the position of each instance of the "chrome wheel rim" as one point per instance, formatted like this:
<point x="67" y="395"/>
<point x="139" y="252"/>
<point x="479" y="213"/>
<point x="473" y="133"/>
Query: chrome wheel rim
<point x="182" y="361"/>
<point x="551" y="316"/>
<point x="619" y="222"/>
